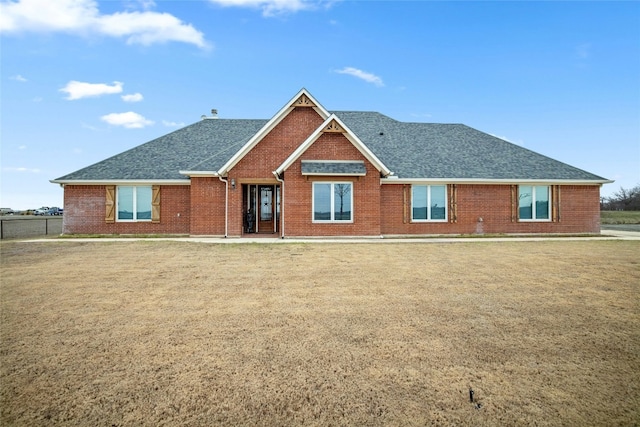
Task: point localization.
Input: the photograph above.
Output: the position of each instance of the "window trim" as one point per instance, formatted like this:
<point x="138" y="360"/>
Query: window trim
<point x="533" y="204"/>
<point x="332" y="198"/>
<point x="134" y="202"/>
<point x="446" y="203"/>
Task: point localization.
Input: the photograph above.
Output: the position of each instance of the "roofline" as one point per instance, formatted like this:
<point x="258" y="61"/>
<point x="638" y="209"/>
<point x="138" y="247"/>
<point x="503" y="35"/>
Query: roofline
<point x="360" y="146"/>
<point x="120" y="181"/>
<point x="268" y="127"/>
<point x="394" y="180"/>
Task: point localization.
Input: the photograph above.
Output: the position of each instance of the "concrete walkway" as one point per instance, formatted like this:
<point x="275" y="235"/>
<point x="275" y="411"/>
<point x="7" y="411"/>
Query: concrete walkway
<point x="604" y="235"/>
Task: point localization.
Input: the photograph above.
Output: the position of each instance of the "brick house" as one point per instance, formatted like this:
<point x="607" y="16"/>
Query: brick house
<point x="311" y="172"/>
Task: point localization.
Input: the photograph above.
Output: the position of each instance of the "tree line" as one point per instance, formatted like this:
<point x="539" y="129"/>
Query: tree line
<point x="622" y="200"/>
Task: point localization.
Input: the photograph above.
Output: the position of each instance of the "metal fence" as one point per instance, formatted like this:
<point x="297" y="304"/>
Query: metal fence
<point x="18" y="227"/>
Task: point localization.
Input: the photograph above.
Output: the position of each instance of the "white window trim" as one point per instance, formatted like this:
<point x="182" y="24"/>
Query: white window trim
<point x="533" y="205"/>
<point x="313" y="203"/>
<point x="446" y="207"/>
<point x="135" y="203"/>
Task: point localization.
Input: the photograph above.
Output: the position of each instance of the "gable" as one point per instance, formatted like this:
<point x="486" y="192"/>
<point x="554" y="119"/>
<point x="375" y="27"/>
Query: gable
<point x="333" y="125"/>
<point x="302" y="99"/>
<point x="274" y="147"/>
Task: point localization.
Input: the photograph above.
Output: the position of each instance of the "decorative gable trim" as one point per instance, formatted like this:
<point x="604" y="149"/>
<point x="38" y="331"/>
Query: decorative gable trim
<point x="304" y="101"/>
<point x="333" y="123"/>
<point x="301" y="99"/>
<point x="334" y="127"/>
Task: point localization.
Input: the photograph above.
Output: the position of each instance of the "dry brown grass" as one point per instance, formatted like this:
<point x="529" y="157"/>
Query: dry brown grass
<point x="159" y="333"/>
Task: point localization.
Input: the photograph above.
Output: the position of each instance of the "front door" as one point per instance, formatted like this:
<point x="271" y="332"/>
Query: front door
<point x="261" y="208"/>
<point x="265" y="209"/>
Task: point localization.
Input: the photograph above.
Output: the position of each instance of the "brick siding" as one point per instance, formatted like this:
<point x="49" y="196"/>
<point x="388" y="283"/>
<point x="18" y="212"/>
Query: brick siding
<point x="85" y="207"/>
<point x="579" y="209"/>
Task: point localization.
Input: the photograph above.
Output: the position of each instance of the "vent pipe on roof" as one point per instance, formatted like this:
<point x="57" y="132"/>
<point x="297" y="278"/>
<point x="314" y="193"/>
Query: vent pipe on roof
<point x="214" y="115"/>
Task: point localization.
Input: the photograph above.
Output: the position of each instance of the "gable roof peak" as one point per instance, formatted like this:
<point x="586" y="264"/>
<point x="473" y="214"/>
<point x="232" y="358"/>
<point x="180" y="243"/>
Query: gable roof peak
<point x="302" y="99"/>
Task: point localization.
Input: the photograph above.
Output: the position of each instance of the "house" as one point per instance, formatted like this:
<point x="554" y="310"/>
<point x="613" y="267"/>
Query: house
<point x="309" y="171"/>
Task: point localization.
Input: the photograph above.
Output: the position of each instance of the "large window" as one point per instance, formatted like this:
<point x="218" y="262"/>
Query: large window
<point x="428" y="203"/>
<point x="134" y="203"/>
<point x="533" y="203"/>
<point x="332" y="202"/>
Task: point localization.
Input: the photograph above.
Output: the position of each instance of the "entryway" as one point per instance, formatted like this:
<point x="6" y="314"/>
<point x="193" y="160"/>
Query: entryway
<point x="261" y="208"/>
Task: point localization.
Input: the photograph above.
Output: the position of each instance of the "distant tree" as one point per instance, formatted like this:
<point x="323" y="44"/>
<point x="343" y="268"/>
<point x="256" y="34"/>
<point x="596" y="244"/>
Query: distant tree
<point x="342" y="190"/>
<point x="622" y="200"/>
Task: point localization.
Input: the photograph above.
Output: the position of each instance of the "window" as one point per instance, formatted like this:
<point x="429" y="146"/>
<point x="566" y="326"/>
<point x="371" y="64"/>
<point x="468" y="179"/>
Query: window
<point x="428" y="203"/>
<point x="332" y="202"/>
<point x="533" y="203"/>
<point x="134" y="203"/>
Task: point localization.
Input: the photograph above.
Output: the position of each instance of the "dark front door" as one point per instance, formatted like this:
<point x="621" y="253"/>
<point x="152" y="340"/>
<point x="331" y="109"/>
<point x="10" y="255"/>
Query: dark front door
<point x="266" y="209"/>
<point x="261" y="208"/>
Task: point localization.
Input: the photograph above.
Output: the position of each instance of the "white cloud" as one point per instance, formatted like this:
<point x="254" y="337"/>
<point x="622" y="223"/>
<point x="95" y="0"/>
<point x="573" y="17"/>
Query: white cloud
<point x="363" y="75"/>
<point x="272" y="7"/>
<point x="82" y="17"/>
<point x="79" y="90"/>
<point x="172" y="124"/>
<point x="21" y="170"/>
<point x="134" y="97"/>
<point x="129" y="120"/>
<point x="18" y="78"/>
<point x="22" y="147"/>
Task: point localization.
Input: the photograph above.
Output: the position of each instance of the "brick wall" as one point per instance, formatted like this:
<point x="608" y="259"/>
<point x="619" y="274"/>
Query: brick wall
<point x="579" y="212"/>
<point x="298" y="193"/>
<point x="258" y="165"/>
<point x="85" y="207"/>
<point x="207" y="206"/>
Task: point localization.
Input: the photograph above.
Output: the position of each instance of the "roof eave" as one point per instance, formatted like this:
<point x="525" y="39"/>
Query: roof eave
<point x="200" y="174"/>
<point x="496" y="181"/>
<point x="120" y="181"/>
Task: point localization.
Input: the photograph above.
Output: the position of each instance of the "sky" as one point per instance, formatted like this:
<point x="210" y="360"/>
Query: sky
<point x="83" y="80"/>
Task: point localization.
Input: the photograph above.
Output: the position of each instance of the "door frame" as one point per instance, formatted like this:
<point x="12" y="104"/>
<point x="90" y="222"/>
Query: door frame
<point x="252" y="208"/>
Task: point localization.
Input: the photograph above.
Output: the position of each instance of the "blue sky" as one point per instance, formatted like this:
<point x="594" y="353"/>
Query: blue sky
<point x="82" y="80"/>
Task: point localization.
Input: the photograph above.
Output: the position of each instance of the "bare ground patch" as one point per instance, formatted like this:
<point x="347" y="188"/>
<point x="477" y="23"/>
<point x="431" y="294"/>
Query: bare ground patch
<point x="161" y="333"/>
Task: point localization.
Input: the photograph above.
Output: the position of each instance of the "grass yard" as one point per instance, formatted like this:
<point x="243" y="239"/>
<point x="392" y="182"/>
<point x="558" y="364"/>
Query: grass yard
<point x="174" y="333"/>
<point x="620" y="217"/>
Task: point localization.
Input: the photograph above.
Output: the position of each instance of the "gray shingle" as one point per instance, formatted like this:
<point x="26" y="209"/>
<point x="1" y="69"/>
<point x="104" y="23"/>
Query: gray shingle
<point x="410" y="150"/>
<point x="333" y="168"/>
<point x="429" y="150"/>
<point x="204" y="146"/>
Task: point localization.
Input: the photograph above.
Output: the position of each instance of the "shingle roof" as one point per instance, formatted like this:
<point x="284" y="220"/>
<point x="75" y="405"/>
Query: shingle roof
<point x="431" y="150"/>
<point x="333" y="168"/>
<point x="203" y="146"/>
<point x="410" y="150"/>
